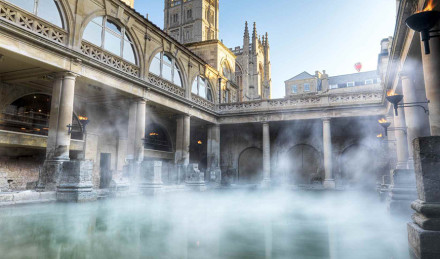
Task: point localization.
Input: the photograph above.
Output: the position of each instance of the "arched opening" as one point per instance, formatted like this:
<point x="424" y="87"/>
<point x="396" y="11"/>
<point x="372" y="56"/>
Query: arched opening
<point x="250" y="166"/>
<point x="239" y="76"/>
<point x="304" y="165"/>
<point x="202" y="88"/>
<point x="165" y="66"/>
<point x="48" y="10"/>
<point x="261" y="73"/>
<point x="357" y="164"/>
<point x="226" y="71"/>
<point x="109" y="35"/>
<point x="30" y="114"/>
<point x="157" y="138"/>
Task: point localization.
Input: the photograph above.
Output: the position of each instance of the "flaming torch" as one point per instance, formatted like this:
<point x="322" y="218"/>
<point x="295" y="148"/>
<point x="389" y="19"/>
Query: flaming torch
<point x="84" y="121"/>
<point x="385" y="124"/>
<point x="423" y="22"/>
<point x="394" y="98"/>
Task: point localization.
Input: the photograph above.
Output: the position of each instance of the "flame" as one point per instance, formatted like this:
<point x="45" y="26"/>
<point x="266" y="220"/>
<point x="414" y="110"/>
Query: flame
<point x="199" y="142"/>
<point x="391" y="93"/>
<point x="429" y="6"/>
<point x="380" y="135"/>
<point x="82" y="118"/>
<point x="154" y="134"/>
<point x="383" y="120"/>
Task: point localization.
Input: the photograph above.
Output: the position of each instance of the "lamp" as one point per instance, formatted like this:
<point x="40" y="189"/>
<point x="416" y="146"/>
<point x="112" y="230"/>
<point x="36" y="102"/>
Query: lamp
<point x="385" y="124"/>
<point x="423" y="22"/>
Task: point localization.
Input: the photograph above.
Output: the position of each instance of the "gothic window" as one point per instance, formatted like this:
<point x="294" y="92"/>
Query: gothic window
<point x="226" y="70"/>
<point x="175" y="18"/>
<point x="189" y="14"/>
<point x="108" y="35"/>
<point x="202" y="88"/>
<point x="46" y="9"/>
<point x="165" y="66"/>
<point x="239" y="76"/>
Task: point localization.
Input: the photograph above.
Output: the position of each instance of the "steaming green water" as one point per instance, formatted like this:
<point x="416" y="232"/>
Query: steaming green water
<point x="207" y="225"/>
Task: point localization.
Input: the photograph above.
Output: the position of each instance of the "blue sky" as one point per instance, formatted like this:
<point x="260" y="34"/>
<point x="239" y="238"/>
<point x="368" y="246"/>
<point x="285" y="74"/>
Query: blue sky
<point x="304" y="35"/>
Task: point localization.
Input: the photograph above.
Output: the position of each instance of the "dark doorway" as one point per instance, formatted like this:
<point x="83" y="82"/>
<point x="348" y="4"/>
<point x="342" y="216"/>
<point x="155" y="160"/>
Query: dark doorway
<point x="106" y="173"/>
<point x="250" y="166"/>
<point x="304" y="165"/>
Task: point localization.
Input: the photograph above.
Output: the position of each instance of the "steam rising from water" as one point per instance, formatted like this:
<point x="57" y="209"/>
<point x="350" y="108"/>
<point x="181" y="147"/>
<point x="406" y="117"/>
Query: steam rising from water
<point x="232" y="224"/>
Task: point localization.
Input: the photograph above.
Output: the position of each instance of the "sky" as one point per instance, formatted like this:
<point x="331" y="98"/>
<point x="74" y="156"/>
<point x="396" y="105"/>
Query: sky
<point x="304" y="35"/>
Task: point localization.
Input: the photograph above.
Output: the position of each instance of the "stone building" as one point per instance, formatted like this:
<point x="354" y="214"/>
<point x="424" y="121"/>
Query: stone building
<point x="97" y="80"/>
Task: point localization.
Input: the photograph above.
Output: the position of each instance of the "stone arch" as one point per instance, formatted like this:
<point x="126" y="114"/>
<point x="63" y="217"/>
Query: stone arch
<point x="157" y="137"/>
<point x="250" y="166"/>
<point x="304" y="164"/>
<point x="135" y="42"/>
<point x="68" y="18"/>
<point x="17" y="118"/>
<point x="180" y="65"/>
<point x="356" y="165"/>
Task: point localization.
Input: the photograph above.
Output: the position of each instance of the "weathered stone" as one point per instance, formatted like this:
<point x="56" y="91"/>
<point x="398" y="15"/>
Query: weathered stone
<point x="49" y="176"/>
<point x="26" y="196"/>
<point x="424" y="233"/>
<point x="75" y="183"/>
<point x="195" y="180"/>
<point x="215" y="176"/>
<point x="402" y="192"/>
<point x="151" y="177"/>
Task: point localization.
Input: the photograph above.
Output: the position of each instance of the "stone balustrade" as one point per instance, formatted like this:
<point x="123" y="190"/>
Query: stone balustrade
<point x="30" y="22"/>
<point x="165" y="85"/>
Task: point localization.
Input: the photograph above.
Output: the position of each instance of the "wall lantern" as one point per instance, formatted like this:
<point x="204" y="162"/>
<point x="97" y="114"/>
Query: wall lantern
<point x="423" y="22"/>
<point x="84" y="122"/>
<point x="395" y="100"/>
<point x="385" y="124"/>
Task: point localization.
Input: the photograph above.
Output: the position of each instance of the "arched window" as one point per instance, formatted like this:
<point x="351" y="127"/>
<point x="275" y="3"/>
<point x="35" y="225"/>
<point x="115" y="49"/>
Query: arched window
<point x="46" y="9"/>
<point x="239" y="76"/>
<point x="30" y="114"/>
<point x="202" y="88"/>
<point x="108" y="35"/>
<point x="226" y="70"/>
<point x="156" y="138"/>
<point x="165" y="66"/>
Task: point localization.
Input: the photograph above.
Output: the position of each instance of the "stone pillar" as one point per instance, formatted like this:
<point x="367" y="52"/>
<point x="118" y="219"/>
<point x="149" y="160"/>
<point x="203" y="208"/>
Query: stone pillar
<point x="195" y="180"/>
<point x="415" y="117"/>
<point x="181" y="158"/>
<point x="136" y="135"/>
<point x="401" y="140"/>
<point x="402" y="192"/>
<point x="75" y="183"/>
<point x="151" y="178"/>
<point x="58" y="140"/>
<point x="329" y="182"/>
<point x="213" y="154"/>
<point x="431" y="68"/>
<point x="424" y="232"/>
<point x="266" y="154"/>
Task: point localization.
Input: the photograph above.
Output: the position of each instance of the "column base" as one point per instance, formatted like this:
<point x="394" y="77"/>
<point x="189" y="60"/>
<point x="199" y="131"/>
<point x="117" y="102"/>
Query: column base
<point x="329" y="184"/>
<point x="423" y="244"/>
<point x="266" y="183"/>
<point x="75" y="184"/>
<point x="48" y="179"/>
<point x="151" y="189"/>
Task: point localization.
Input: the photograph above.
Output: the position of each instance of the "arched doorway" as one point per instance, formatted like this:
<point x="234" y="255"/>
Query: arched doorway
<point x="304" y="165"/>
<point x="357" y="164"/>
<point x="157" y="138"/>
<point x="31" y="113"/>
<point x="250" y="166"/>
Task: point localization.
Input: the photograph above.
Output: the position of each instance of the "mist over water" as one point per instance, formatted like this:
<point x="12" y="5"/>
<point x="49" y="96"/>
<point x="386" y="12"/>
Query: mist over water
<point x="222" y="224"/>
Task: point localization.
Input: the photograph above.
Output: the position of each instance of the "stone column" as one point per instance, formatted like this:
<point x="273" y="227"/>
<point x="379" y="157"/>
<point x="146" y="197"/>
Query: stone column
<point x="136" y="134"/>
<point x="181" y="158"/>
<point x="266" y="154"/>
<point x="329" y="182"/>
<point x="213" y="153"/>
<point x="415" y="117"/>
<point x="424" y="232"/>
<point x="58" y="140"/>
<point x="401" y="140"/>
<point x="431" y="68"/>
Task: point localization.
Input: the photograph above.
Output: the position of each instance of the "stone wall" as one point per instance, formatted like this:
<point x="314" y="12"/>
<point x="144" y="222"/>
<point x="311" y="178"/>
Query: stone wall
<point x="18" y="168"/>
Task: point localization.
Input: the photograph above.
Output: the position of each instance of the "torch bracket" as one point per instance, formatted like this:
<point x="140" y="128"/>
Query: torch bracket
<point x="415" y="104"/>
<point x="398" y="128"/>
<point x="69" y="129"/>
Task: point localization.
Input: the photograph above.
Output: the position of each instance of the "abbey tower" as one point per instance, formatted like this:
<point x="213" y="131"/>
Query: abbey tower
<point x="247" y="69"/>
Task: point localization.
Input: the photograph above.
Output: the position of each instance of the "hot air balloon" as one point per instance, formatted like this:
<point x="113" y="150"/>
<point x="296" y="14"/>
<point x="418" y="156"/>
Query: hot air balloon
<point x="358" y="66"/>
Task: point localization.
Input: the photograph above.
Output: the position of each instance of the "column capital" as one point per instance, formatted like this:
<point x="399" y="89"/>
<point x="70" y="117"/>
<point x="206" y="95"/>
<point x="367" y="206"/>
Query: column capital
<point x="66" y="75"/>
<point x="326" y="119"/>
<point x="403" y="75"/>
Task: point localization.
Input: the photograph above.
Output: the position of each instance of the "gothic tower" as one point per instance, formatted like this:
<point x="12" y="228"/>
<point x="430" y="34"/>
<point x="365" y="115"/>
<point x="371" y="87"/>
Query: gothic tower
<point x="190" y="21"/>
